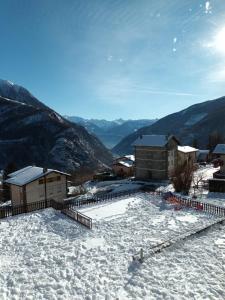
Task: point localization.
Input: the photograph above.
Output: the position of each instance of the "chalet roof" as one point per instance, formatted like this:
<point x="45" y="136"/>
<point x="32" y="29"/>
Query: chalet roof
<point x="220" y="149"/>
<point x="125" y="158"/>
<point x="29" y="174"/>
<point x="126" y="163"/>
<point x="20" y="171"/>
<point x="153" y="140"/>
<point x="130" y="157"/>
<point x="187" y="149"/>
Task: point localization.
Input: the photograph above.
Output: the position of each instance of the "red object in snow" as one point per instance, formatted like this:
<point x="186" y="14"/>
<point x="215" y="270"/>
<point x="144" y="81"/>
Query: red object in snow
<point x="199" y="206"/>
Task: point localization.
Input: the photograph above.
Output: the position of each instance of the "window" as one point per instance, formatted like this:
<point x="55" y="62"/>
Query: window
<point x="53" y="179"/>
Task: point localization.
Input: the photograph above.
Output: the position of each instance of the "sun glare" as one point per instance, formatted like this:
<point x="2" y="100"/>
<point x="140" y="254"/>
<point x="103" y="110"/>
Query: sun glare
<point x="219" y="41"/>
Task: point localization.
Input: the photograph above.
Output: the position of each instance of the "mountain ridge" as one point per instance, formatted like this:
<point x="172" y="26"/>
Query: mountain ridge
<point x="32" y="133"/>
<point x="197" y="121"/>
<point x="110" y="132"/>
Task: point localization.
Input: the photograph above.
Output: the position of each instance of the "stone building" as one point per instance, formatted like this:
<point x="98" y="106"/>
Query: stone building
<point x="155" y="156"/>
<point x="186" y="155"/>
<point x="33" y="184"/>
<point x="124" y="166"/>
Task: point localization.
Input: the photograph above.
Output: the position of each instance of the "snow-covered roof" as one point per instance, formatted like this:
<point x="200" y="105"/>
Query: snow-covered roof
<point x="130" y="157"/>
<point x="20" y="171"/>
<point x="220" y="149"/>
<point x="126" y="163"/>
<point x="29" y="174"/>
<point x="187" y="149"/>
<point x="152" y="140"/>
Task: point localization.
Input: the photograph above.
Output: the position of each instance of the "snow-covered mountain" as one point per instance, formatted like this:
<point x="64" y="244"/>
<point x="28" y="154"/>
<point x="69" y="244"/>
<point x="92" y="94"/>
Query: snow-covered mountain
<point x="13" y="91"/>
<point x="196" y="122"/>
<point x="32" y="133"/>
<point x="111" y="132"/>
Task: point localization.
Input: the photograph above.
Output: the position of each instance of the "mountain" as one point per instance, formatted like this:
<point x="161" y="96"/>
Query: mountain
<point x="110" y="132"/>
<point x="196" y="122"/>
<point x="32" y="133"/>
<point x="16" y="92"/>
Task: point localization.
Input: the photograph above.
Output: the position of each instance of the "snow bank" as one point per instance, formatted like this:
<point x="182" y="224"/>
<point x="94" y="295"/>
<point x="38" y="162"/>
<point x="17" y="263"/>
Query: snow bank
<point x="45" y="255"/>
<point x="109" y="210"/>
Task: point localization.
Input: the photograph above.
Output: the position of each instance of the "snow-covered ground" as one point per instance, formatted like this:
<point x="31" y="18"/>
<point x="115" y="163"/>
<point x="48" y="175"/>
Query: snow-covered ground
<point x="203" y="194"/>
<point x="113" y="186"/>
<point x="45" y="255"/>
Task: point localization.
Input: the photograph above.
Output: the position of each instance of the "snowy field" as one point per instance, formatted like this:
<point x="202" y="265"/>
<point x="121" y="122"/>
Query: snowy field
<point x="45" y="255"/>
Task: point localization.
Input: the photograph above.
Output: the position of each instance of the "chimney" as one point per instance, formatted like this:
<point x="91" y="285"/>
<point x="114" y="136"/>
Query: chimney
<point x="141" y="136"/>
<point x="45" y="170"/>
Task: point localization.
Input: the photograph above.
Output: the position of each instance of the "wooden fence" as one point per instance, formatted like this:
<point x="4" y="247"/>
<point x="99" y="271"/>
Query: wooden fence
<point x="7" y="211"/>
<point x="100" y="198"/>
<point x="175" y="240"/>
<point x="79" y="217"/>
<point x="198" y="205"/>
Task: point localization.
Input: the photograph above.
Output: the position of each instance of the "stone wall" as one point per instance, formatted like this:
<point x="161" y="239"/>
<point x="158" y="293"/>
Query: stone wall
<point x="151" y="163"/>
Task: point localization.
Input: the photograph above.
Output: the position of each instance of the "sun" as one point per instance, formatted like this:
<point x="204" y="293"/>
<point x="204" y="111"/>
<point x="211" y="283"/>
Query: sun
<point x="219" y="41"/>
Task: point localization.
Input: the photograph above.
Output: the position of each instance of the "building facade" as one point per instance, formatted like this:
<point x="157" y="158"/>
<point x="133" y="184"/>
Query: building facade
<point x="155" y="157"/>
<point x="124" y="166"/>
<point x="33" y="184"/>
<point x="187" y="155"/>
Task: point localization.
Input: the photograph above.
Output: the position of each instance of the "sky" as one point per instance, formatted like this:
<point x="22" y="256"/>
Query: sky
<point x="114" y="59"/>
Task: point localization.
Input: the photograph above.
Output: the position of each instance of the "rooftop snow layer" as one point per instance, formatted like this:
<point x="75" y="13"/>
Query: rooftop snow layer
<point x="28" y="174"/>
<point x="126" y="163"/>
<point x="130" y="157"/>
<point x="187" y="149"/>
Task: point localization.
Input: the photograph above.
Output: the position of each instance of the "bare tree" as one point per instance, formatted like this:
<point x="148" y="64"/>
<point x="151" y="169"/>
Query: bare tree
<point x="198" y="182"/>
<point x="182" y="178"/>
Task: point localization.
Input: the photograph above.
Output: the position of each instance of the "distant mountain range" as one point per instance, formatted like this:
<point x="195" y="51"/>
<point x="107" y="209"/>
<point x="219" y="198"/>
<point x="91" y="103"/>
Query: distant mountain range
<point x="110" y="132"/>
<point x="32" y="133"/>
<point x="196" y="122"/>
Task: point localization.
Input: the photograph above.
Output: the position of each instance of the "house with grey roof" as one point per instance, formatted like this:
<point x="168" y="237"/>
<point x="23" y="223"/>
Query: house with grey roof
<point x="34" y="184"/>
<point x="155" y="156"/>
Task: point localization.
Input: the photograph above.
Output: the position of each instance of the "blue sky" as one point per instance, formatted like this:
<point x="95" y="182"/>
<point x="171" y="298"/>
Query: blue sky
<point x="112" y="59"/>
